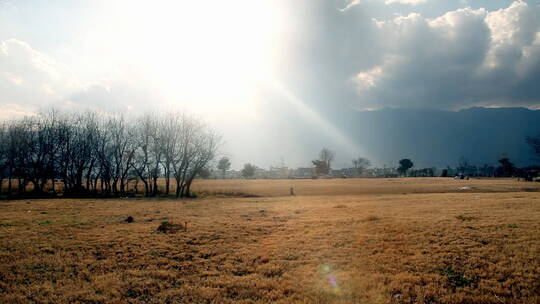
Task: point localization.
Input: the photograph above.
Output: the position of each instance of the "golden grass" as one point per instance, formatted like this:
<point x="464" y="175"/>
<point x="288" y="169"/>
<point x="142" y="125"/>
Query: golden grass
<point x="360" y="186"/>
<point x="396" y="246"/>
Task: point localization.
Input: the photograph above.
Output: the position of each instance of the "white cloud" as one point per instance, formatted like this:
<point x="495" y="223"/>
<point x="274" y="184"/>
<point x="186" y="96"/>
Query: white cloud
<point x="411" y="2"/>
<point x="463" y="58"/>
<point x="31" y="79"/>
<point x="353" y="3"/>
<point x="11" y="111"/>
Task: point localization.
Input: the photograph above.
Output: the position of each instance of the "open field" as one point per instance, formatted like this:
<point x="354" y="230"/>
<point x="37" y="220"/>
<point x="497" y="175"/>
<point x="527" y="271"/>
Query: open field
<point x="355" y="186"/>
<point x="336" y="241"/>
<point x="337" y="186"/>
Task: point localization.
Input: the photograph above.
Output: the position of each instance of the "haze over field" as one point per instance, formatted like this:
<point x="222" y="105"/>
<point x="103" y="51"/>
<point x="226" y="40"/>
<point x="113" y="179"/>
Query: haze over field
<point x="270" y="151"/>
<point x="281" y="79"/>
<point x="374" y="241"/>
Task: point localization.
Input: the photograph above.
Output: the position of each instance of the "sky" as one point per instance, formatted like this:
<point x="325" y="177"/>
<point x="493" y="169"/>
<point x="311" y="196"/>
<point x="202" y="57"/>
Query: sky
<point x="276" y="77"/>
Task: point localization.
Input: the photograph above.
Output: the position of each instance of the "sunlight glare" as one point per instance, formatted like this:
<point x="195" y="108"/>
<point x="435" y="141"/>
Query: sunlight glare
<point x="208" y="53"/>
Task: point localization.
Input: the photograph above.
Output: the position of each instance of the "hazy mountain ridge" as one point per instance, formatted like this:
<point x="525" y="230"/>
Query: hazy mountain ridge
<point x="440" y="138"/>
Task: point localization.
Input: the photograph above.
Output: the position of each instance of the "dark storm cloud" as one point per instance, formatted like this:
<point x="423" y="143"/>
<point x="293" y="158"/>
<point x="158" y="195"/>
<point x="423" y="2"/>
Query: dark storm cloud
<point x="339" y="61"/>
<point x="466" y="57"/>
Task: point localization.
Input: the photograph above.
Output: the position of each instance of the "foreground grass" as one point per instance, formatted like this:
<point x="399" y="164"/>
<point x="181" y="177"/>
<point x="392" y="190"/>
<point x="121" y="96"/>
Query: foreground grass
<point x="360" y="186"/>
<point x="372" y="248"/>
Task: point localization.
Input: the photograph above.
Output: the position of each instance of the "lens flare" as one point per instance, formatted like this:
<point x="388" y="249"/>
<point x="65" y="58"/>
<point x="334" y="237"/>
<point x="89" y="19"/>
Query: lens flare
<point x="331" y="279"/>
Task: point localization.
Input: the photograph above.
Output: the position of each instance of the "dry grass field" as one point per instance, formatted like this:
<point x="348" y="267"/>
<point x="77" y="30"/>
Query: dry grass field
<point x="335" y="241"/>
<point x="344" y="186"/>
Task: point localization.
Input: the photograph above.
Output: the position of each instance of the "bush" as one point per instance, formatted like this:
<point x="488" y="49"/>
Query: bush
<point x="168" y="227"/>
<point x="455" y="278"/>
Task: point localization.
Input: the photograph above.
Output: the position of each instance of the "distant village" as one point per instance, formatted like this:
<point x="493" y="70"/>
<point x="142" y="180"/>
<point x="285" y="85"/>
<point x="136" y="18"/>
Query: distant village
<point x="278" y="172"/>
<point x="361" y="167"/>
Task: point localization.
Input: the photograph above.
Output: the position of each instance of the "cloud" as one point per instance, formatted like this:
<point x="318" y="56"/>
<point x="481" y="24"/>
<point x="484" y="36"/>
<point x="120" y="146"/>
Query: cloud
<point x="412" y="2"/>
<point x="468" y="57"/>
<point x="334" y="60"/>
<point x="353" y="3"/>
<point x="118" y="95"/>
<point x="11" y="111"/>
<point x="30" y="79"/>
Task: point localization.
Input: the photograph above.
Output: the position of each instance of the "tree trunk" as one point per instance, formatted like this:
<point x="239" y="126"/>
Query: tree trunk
<point x="146" y="188"/>
<point x="122" y="186"/>
<point x="167" y="179"/>
<point x="182" y="190"/>
<point x="177" y="188"/>
<point x="53" y="185"/>
<point x="188" y="187"/>
<point x="155" y="186"/>
<point x="22" y="186"/>
<point x="9" y="186"/>
<point x="115" y="186"/>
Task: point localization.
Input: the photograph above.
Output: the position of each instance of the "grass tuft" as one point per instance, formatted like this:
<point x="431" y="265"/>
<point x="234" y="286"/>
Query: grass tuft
<point x="455" y="278"/>
<point x="168" y="227"/>
<point x="372" y="218"/>
<point x="465" y="218"/>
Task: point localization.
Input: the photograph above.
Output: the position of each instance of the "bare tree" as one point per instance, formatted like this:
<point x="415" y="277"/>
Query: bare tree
<point x="224" y="164"/>
<point x="205" y="149"/>
<point x="80" y="150"/>
<point x="38" y="150"/>
<point x="19" y="144"/>
<point x="95" y="155"/>
<point x="321" y="167"/>
<point x="326" y="156"/>
<point x="248" y="170"/>
<point x="157" y="142"/>
<point x="184" y="152"/>
<point x="121" y="149"/>
<point x="462" y="165"/>
<point x="3" y="154"/>
<point x="104" y="159"/>
<point x="11" y="148"/>
<point x="486" y="170"/>
<point x="360" y="164"/>
<point x="197" y="146"/>
<point x="170" y="126"/>
<point x="144" y="130"/>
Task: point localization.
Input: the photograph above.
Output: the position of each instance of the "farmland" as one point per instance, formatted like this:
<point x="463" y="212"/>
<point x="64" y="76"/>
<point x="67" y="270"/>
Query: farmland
<point x="415" y="240"/>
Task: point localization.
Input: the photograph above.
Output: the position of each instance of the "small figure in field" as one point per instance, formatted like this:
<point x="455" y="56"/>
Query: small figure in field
<point x="292" y="191"/>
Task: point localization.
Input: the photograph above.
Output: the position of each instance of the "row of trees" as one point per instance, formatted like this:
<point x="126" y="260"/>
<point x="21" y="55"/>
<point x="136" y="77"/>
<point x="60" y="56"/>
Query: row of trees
<point x="224" y="164"/>
<point x="322" y="165"/>
<point x="89" y="152"/>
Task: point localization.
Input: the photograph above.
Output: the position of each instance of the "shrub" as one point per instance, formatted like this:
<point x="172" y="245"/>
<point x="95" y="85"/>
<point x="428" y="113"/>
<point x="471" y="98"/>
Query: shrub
<point x="168" y="227"/>
<point x="455" y="278"/>
<point x="465" y="218"/>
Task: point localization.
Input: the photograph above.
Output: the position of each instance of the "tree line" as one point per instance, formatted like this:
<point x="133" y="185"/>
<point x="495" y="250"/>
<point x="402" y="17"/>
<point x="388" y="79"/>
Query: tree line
<point x="89" y="153"/>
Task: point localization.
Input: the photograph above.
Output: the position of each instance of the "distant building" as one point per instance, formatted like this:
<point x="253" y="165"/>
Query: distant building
<point x="229" y="174"/>
<point x="260" y="173"/>
<point x="303" y="173"/>
<point x="280" y="172"/>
